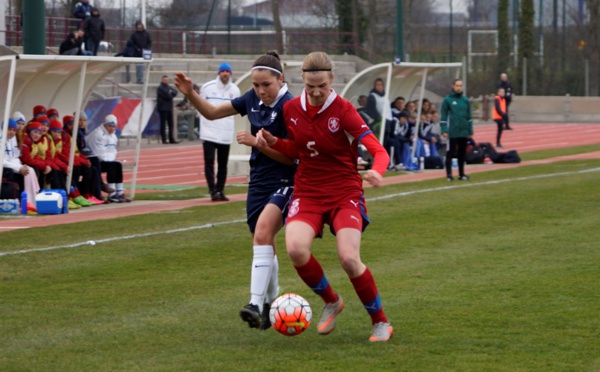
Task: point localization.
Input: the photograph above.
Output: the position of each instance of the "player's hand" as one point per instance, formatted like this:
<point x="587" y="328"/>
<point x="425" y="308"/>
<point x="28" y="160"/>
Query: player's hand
<point x="24" y="170"/>
<point x="244" y="137"/>
<point x="184" y="83"/>
<point x="265" y="138"/>
<point x="373" y="177"/>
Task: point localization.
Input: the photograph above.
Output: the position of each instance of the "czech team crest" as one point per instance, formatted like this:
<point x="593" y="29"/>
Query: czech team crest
<point x="333" y="125"/>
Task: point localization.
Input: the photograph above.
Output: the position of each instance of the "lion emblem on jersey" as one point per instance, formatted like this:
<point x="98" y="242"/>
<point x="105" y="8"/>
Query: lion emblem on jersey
<point x="333" y="125"/>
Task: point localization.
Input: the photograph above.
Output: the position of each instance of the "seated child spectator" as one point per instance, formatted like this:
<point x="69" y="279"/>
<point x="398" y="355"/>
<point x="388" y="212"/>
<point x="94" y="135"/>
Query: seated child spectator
<point x="103" y="142"/>
<point x="36" y="153"/>
<point x="52" y="114"/>
<point x="404" y="132"/>
<point x="99" y="186"/>
<point x="61" y="150"/>
<point x="38" y="111"/>
<point x="20" y="120"/>
<point x="428" y="142"/>
<point x="85" y="177"/>
<point x="16" y="171"/>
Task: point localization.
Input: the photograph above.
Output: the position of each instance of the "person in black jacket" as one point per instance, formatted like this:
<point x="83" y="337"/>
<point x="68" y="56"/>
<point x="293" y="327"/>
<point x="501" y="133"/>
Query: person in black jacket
<point x="141" y="41"/>
<point x="71" y="46"/>
<point x="93" y="26"/>
<point x="164" y="106"/>
<point x="508" y="94"/>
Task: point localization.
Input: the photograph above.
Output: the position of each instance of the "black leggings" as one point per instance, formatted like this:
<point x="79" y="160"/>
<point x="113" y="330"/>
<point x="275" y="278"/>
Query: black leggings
<point x="114" y="171"/>
<point x="456" y="147"/>
<point x="500" y="123"/>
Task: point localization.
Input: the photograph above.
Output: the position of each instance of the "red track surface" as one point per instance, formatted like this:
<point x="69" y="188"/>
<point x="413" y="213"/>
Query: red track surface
<point x="182" y="165"/>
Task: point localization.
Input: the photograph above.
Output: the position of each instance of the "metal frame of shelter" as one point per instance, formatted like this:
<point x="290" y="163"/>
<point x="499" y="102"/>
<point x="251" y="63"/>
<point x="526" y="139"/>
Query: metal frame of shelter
<point x="61" y="82"/>
<point x="400" y="79"/>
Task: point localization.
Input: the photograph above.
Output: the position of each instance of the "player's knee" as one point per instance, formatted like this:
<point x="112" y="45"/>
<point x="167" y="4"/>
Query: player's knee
<point x="298" y="254"/>
<point x="351" y="264"/>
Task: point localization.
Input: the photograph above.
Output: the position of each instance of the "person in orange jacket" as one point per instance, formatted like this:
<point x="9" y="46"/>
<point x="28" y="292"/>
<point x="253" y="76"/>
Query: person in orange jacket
<point x="500" y="115"/>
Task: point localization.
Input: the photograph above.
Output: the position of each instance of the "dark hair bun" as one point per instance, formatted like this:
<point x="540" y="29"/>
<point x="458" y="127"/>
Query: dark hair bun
<point x="274" y="54"/>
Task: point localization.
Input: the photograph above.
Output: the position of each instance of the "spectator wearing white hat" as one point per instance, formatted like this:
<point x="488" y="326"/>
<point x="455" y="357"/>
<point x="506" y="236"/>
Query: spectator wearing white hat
<point x="21" y="121"/>
<point x="103" y="143"/>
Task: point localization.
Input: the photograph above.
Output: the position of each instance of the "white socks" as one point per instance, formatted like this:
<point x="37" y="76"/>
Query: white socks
<point x="262" y="268"/>
<point x="273" y="290"/>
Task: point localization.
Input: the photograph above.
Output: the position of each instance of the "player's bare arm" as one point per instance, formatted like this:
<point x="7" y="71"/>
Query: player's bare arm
<point x="205" y="108"/>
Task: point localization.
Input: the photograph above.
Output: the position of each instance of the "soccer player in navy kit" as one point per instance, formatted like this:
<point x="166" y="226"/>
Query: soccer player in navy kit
<point x="271" y="174"/>
<point x="324" y="130"/>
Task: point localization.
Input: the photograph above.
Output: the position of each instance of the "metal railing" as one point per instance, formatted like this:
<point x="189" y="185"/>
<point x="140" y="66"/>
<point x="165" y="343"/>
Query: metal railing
<point x="198" y="42"/>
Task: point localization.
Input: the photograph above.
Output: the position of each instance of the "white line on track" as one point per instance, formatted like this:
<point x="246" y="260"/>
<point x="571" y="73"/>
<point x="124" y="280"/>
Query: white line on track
<point x="216" y="224"/>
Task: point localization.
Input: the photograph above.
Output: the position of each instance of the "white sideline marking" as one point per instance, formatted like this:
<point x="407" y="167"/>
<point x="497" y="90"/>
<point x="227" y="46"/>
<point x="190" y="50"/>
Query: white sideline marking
<point x="384" y="197"/>
<point x="471" y="184"/>
<point x="106" y="240"/>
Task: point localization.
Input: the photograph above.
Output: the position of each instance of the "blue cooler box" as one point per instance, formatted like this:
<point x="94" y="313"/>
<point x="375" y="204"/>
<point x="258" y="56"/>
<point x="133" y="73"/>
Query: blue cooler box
<point x="49" y="202"/>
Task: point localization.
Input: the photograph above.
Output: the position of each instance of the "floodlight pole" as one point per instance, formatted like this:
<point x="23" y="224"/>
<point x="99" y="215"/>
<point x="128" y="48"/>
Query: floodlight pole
<point x="34" y="25"/>
<point x="399" y="32"/>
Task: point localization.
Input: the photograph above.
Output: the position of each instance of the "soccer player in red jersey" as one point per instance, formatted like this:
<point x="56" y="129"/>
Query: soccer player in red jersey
<point x="323" y="133"/>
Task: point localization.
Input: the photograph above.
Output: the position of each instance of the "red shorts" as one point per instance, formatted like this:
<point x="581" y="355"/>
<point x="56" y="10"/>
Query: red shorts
<point x="343" y="213"/>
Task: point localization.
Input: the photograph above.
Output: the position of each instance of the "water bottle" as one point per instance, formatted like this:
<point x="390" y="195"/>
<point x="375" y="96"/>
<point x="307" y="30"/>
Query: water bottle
<point x="454" y="163"/>
<point x="24" y="202"/>
<point x="421" y="163"/>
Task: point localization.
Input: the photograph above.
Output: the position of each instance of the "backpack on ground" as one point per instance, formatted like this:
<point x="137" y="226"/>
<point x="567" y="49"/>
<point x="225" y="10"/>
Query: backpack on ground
<point x="474" y="155"/>
<point x="433" y="162"/>
<point x="10" y="190"/>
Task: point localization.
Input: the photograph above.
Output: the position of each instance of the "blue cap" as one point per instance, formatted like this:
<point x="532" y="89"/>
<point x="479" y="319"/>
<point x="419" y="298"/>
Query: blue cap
<point x="225" y="67"/>
<point x="11" y="123"/>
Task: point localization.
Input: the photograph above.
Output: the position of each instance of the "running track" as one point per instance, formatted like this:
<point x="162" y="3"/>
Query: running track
<point x="181" y="166"/>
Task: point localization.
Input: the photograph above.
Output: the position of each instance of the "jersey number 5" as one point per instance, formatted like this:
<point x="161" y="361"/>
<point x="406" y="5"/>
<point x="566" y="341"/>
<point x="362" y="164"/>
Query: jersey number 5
<point x="310" y="146"/>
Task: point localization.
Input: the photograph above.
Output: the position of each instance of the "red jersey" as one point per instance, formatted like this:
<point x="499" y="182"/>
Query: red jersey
<point x="326" y="145"/>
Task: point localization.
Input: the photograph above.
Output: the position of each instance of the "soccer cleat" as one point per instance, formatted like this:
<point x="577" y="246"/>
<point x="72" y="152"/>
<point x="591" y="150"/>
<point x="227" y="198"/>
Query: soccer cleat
<point x="450" y="178"/>
<point x="123" y="199"/>
<point x="72" y="205"/>
<point x="381" y="332"/>
<point x="214" y="196"/>
<point x="464" y="178"/>
<point x="114" y="199"/>
<point x="82" y="201"/>
<point x="330" y="312"/>
<point x="95" y="200"/>
<point x="266" y="319"/>
<point x="251" y="315"/>
<point x="31" y="208"/>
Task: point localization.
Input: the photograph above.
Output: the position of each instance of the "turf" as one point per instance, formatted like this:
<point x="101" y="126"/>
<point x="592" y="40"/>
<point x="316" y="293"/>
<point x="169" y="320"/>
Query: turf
<point x="499" y="273"/>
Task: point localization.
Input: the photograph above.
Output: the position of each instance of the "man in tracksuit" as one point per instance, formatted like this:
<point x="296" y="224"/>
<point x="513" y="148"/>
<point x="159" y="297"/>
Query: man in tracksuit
<point x="456" y="124"/>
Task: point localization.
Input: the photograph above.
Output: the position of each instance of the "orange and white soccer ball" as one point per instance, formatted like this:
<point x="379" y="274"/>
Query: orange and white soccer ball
<point x="290" y="314"/>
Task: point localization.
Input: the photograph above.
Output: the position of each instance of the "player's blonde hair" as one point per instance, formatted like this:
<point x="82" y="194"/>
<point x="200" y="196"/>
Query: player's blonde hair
<point x="317" y="61"/>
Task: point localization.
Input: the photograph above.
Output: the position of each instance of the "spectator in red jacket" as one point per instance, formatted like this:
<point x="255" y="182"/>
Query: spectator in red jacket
<point x="37" y="153"/>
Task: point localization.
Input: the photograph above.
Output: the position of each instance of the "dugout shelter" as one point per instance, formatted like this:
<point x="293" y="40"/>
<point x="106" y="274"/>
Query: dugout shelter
<point x="402" y="79"/>
<point x="61" y="82"/>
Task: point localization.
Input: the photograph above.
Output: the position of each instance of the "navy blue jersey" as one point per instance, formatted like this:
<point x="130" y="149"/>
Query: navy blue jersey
<point x="264" y="171"/>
